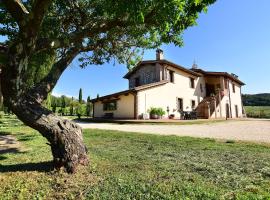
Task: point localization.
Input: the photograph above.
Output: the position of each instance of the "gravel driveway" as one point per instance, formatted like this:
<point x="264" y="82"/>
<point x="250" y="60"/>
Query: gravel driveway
<point x="248" y="130"/>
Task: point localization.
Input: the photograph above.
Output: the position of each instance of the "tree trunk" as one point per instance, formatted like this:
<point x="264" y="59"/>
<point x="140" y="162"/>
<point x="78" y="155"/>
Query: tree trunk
<point x="64" y="136"/>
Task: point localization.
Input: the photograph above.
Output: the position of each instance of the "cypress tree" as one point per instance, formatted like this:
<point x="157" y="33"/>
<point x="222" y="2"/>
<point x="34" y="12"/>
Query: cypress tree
<point x="80" y="95"/>
<point x="88" y="106"/>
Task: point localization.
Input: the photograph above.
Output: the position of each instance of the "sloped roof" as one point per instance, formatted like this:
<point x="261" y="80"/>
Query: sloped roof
<point x="133" y="90"/>
<point x="225" y="74"/>
<point x="140" y="64"/>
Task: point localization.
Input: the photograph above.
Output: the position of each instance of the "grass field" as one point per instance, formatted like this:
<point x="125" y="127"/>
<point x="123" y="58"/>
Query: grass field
<point x="258" y="111"/>
<point x="136" y="166"/>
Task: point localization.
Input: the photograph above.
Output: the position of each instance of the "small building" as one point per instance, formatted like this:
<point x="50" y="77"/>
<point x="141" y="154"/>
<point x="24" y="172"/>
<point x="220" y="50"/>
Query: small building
<point x="175" y="89"/>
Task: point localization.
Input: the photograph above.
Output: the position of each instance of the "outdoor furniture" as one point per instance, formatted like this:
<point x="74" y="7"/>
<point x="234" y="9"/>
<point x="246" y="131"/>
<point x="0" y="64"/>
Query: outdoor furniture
<point x="188" y="115"/>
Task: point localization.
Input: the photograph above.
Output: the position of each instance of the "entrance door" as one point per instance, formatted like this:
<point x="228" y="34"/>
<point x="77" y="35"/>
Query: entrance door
<point x="210" y="89"/>
<point x="227" y="111"/>
<point x="236" y="111"/>
<point x="180" y="104"/>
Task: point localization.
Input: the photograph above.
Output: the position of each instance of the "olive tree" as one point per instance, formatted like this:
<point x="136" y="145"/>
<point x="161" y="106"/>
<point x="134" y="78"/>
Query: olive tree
<point x="52" y="33"/>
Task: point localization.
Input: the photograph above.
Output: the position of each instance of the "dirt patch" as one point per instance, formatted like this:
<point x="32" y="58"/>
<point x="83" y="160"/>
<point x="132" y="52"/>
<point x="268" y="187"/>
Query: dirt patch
<point x="9" y="144"/>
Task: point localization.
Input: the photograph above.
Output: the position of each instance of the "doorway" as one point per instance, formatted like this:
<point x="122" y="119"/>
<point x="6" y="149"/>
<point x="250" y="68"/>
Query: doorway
<point x="180" y="104"/>
<point x="236" y="111"/>
<point x="210" y="89"/>
<point x="227" y="111"/>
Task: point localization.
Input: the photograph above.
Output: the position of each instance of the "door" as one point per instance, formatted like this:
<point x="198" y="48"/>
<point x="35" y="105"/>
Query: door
<point x="210" y="89"/>
<point x="180" y="104"/>
<point x="227" y="111"/>
<point x="236" y="111"/>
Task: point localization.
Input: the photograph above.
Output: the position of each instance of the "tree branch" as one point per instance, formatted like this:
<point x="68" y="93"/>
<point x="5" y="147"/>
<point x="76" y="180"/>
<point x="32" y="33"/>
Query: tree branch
<point x="46" y="85"/>
<point x="38" y="12"/>
<point x="16" y="10"/>
<point x="45" y="43"/>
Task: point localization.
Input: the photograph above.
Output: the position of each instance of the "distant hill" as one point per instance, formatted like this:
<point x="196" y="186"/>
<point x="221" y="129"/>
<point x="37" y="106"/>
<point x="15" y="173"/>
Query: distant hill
<point x="262" y="99"/>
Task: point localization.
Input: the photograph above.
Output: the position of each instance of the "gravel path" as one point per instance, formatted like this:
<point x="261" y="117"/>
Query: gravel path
<point x="250" y="130"/>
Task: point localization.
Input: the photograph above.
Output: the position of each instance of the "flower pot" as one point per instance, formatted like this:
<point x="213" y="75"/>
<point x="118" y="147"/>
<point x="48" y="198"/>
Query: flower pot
<point x="154" y="116"/>
<point x="171" y="116"/>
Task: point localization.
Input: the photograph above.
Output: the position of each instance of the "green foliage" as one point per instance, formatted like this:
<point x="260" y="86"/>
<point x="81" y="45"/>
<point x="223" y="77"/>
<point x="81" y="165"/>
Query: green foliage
<point x="258" y="111"/>
<point x="80" y="95"/>
<point x="256" y="99"/>
<point x="48" y="102"/>
<point x="54" y="107"/>
<point x="60" y="101"/>
<point x="39" y="66"/>
<point x="156" y="111"/>
<point x="111" y="29"/>
<point x="71" y="107"/>
<point x="88" y="106"/>
<point x="137" y="166"/>
<point x="80" y="110"/>
<point x="63" y="102"/>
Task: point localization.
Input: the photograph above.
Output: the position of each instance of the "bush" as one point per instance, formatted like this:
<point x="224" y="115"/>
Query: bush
<point x="80" y="110"/>
<point x="156" y="111"/>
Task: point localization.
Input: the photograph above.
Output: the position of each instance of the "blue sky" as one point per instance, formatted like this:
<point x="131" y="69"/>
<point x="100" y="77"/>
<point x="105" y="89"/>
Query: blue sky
<point x="234" y="36"/>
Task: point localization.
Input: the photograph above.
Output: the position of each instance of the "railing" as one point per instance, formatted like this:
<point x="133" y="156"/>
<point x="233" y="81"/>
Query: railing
<point x="208" y="105"/>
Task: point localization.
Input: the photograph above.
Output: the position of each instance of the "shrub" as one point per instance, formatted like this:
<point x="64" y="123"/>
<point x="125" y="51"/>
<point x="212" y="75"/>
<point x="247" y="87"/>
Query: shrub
<point x="156" y="111"/>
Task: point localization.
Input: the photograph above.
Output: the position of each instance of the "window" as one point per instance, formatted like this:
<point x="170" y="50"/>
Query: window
<point x="111" y="105"/>
<point x="171" y="76"/>
<point x="192" y="85"/>
<point x="180" y="104"/>
<point x="201" y="87"/>
<point x="233" y="88"/>
<point x="193" y="104"/>
<point x="137" y="81"/>
<point x="226" y="83"/>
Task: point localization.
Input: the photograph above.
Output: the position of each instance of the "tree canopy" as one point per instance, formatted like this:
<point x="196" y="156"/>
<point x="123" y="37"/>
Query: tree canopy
<point x="44" y="36"/>
<point x="107" y="29"/>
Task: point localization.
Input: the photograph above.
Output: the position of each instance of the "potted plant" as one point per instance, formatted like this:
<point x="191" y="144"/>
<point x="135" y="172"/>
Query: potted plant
<point x="171" y="116"/>
<point x="156" y="113"/>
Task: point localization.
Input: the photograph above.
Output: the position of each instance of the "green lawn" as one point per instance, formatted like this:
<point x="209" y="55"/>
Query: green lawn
<point x="258" y="111"/>
<point x="137" y="166"/>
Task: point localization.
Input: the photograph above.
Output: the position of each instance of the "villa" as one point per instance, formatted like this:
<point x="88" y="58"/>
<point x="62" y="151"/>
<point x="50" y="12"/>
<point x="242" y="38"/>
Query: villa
<point x="175" y="89"/>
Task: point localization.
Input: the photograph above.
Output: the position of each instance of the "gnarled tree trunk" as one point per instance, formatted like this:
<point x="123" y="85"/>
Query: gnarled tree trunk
<point x="64" y="136"/>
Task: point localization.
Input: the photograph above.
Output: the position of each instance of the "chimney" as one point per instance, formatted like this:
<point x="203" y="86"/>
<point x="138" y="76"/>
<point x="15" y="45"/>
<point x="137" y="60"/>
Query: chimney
<point x="159" y="54"/>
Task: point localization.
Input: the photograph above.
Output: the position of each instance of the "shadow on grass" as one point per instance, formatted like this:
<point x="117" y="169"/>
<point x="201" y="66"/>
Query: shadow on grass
<point x="3" y="157"/>
<point x="10" y="150"/>
<point x="5" y="133"/>
<point x="40" y="167"/>
<point x="24" y="137"/>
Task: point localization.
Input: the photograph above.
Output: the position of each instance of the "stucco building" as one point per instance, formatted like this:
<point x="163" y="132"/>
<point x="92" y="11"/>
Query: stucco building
<point x="161" y="83"/>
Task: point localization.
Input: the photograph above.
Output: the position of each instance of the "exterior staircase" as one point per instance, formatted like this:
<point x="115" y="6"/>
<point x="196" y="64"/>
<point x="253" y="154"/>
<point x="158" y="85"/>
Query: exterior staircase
<point x="206" y="107"/>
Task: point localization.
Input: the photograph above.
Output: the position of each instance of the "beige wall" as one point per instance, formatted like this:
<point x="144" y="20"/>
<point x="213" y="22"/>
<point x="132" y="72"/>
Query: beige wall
<point x="236" y="99"/>
<point x="167" y="95"/>
<point x="125" y="108"/>
<point x="232" y="99"/>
